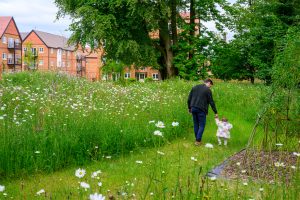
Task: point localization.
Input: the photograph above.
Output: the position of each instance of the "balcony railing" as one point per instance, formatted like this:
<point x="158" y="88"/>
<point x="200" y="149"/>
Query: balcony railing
<point x="10" y="61"/>
<point x="14" y="45"/>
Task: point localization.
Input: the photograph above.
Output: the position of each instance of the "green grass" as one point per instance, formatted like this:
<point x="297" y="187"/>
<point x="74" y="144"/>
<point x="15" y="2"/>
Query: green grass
<point x="54" y="124"/>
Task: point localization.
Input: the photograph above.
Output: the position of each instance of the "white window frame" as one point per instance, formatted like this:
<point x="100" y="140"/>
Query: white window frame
<point x="127" y="75"/>
<point x="4" y="40"/>
<point x="155" y="76"/>
<point x="41" y="50"/>
<point x="4" y="56"/>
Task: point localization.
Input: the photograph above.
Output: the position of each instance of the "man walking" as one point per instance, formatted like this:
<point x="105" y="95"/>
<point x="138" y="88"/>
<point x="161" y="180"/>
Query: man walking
<point x="199" y="98"/>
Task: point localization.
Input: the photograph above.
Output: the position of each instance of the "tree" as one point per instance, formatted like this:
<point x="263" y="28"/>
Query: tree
<point x="30" y="57"/>
<point x="260" y="25"/>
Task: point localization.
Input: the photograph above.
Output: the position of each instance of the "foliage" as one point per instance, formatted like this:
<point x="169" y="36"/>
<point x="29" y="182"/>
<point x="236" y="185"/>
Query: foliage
<point x="259" y="25"/>
<point x="30" y="58"/>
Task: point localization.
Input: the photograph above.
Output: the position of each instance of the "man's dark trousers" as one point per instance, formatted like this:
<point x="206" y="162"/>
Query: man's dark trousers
<point x="199" y="118"/>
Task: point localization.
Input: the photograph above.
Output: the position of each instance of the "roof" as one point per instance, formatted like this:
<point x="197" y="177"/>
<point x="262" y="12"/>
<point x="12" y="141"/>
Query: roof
<point x="52" y="40"/>
<point x="24" y="35"/>
<point x="4" y="22"/>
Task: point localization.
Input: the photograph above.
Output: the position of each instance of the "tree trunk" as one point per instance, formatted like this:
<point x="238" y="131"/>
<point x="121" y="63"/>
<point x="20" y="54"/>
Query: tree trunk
<point x="165" y="48"/>
<point x="192" y="28"/>
<point x="174" y="22"/>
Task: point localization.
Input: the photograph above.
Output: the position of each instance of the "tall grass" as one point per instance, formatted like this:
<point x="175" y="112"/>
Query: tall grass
<point x="50" y="121"/>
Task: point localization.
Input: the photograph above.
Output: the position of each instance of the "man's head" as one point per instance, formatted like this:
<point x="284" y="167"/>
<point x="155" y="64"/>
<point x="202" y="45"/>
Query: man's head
<point x="208" y="82"/>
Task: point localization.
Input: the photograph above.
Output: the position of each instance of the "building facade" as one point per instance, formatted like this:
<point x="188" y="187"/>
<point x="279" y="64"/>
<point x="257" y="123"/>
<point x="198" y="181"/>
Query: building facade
<point x="10" y="45"/>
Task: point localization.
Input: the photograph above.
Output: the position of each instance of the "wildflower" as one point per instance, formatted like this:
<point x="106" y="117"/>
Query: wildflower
<point x="84" y="185"/>
<point x="80" y="173"/>
<point x="151" y="193"/>
<point x="139" y="162"/>
<point x="95" y="174"/>
<point x="243" y="171"/>
<point x="1" y="117"/>
<point x="2" y="188"/>
<point x="97" y="196"/>
<point x="160" y="124"/>
<point x="279" y="164"/>
<point x="293" y="167"/>
<point x="296" y="154"/>
<point x="245" y="183"/>
<point x="37" y="152"/>
<point x="208" y="145"/>
<point x="261" y="189"/>
<point x="108" y="157"/>
<point x="152" y="121"/>
<point x="160" y="153"/>
<point x="99" y="184"/>
<point x="193" y="159"/>
<point x="158" y="133"/>
<point x="238" y="163"/>
<point x="175" y="123"/>
<point x="213" y="178"/>
<point x="40" y="192"/>
<point x="279" y="144"/>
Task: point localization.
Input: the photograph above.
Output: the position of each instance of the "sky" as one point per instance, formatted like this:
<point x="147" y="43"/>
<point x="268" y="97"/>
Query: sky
<point x="35" y="14"/>
<point x="41" y="15"/>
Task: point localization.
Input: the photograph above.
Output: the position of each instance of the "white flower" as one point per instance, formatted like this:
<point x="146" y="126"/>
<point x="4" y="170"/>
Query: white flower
<point x="158" y="133"/>
<point x="208" y="145"/>
<point x="193" y="159"/>
<point x="238" y="163"/>
<point x="97" y="196"/>
<point x="80" y="173"/>
<point x="2" y="188"/>
<point x="261" y="189"/>
<point x="175" y="123"/>
<point x="152" y="121"/>
<point x="99" y="184"/>
<point x="108" y="157"/>
<point x="243" y="171"/>
<point x="160" y="124"/>
<point x="296" y="154"/>
<point x="139" y="162"/>
<point x="84" y="185"/>
<point x="279" y="144"/>
<point x="213" y="178"/>
<point x="245" y="183"/>
<point x="293" y="167"/>
<point x="37" y="152"/>
<point x="40" y="192"/>
<point x="279" y="164"/>
<point x="151" y="193"/>
<point x="160" y="153"/>
<point x="95" y="174"/>
<point x="1" y="117"/>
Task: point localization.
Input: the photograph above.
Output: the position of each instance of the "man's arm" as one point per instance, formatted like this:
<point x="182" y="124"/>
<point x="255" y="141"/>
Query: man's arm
<point x="211" y="102"/>
<point x="190" y="99"/>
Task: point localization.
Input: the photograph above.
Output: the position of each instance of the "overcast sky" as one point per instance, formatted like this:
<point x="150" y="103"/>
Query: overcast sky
<point x="41" y="15"/>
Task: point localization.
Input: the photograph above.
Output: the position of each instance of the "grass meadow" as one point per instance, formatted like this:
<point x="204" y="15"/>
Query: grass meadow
<point x="131" y="140"/>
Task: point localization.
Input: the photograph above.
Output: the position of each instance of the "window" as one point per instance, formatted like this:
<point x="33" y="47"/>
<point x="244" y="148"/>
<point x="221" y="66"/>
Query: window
<point x="41" y="63"/>
<point x="41" y="50"/>
<point x="4" y="40"/>
<point x="155" y="76"/>
<point x="33" y="50"/>
<point x="51" y="51"/>
<point x="127" y="75"/>
<point x="25" y="48"/>
<point x="4" y="57"/>
<point x="11" y="42"/>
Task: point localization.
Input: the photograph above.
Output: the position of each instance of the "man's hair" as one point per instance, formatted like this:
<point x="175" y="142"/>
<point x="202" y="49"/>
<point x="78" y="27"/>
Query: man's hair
<point x="208" y="81"/>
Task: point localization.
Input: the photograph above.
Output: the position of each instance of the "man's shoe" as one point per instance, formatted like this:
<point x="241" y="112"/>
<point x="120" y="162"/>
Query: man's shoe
<point x="197" y="143"/>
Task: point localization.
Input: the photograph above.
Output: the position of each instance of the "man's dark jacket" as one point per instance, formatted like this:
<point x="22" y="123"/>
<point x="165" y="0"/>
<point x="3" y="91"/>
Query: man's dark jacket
<point x="199" y="97"/>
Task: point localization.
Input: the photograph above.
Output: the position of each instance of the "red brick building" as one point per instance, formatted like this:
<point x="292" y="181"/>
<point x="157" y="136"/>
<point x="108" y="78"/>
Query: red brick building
<point x="10" y="45"/>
